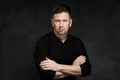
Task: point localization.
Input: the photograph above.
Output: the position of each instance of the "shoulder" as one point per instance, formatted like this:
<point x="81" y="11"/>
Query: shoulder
<point x="75" y="38"/>
<point x="78" y="42"/>
<point x="45" y="38"/>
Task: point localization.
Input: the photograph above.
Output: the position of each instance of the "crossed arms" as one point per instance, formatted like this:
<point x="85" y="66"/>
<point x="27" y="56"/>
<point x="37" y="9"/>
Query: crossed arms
<point x="49" y="69"/>
<point x="63" y="70"/>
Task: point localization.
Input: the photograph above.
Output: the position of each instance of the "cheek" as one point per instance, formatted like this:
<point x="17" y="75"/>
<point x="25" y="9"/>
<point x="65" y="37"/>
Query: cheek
<point x="67" y="26"/>
<point x="55" y="27"/>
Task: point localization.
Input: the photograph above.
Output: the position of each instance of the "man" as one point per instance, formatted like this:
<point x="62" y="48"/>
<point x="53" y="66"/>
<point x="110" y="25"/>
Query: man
<point x="59" y="55"/>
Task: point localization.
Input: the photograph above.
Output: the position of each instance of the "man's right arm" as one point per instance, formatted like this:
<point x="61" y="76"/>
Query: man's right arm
<point x="39" y="55"/>
<point x="60" y="75"/>
<point x="78" y="61"/>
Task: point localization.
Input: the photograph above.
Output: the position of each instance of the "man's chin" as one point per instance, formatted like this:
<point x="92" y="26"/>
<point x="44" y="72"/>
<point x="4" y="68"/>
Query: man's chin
<point x="62" y="33"/>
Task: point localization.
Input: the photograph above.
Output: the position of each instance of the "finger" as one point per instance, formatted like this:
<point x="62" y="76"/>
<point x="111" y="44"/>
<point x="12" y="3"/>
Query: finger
<point x="43" y="67"/>
<point x="45" y="61"/>
<point x="47" y="58"/>
<point x="44" y="64"/>
<point x="81" y="57"/>
<point x="84" y="58"/>
<point x="46" y="68"/>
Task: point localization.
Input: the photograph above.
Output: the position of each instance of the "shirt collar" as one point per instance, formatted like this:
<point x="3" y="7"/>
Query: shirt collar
<point x="58" y="39"/>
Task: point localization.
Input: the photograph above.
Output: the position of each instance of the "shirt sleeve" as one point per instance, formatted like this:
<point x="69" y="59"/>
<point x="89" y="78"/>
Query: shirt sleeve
<point x="85" y="67"/>
<point x="41" y="51"/>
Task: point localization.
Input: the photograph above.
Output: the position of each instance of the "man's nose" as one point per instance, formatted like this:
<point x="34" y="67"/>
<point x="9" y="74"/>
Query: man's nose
<point x="61" y="24"/>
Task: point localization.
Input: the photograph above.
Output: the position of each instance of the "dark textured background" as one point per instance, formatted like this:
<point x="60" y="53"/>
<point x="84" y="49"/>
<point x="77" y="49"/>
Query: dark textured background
<point x="97" y="22"/>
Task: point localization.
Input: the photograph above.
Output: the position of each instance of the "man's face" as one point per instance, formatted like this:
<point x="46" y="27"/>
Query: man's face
<point x="61" y="23"/>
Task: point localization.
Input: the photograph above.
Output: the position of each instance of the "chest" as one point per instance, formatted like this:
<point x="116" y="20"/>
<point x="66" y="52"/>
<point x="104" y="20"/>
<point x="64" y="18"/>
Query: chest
<point x="64" y="53"/>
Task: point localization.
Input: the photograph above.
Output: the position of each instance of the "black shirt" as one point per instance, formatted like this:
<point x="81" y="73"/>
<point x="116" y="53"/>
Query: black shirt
<point x="50" y="46"/>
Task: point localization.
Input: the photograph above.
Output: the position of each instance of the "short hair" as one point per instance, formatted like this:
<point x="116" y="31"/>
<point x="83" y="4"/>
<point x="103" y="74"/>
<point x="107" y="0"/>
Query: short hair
<point x="61" y="8"/>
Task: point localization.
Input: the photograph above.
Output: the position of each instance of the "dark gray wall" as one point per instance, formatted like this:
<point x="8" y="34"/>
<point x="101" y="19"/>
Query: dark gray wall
<point x="97" y="22"/>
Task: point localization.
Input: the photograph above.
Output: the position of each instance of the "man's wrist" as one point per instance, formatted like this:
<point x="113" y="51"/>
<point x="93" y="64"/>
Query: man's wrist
<point x="59" y="67"/>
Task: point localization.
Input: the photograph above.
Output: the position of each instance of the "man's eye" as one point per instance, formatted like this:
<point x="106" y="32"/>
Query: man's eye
<point x="57" y="21"/>
<point x="65" y="21"/>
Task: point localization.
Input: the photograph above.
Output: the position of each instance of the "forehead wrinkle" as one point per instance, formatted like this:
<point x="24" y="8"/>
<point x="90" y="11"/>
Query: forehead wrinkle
<point x="63" y="15"/>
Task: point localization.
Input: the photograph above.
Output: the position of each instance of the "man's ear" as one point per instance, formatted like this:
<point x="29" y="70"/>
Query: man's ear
<point x="70" y="22"/>
<point x="52" y="22"/>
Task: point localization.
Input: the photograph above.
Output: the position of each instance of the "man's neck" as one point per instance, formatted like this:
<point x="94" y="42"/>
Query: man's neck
<point x="62" y="37"/>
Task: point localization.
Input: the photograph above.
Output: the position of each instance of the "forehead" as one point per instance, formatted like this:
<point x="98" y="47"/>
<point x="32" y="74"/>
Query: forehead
<point x="62" y="15"/>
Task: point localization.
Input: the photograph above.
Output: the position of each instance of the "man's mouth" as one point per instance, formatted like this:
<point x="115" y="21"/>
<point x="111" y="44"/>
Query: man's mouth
<point x="61" y="29"/>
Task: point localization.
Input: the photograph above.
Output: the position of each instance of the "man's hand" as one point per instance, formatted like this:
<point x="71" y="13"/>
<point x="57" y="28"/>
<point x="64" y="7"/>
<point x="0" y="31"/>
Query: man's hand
<point x="49" y="64"/>
<point x="79" y="60"/>
<point x="63" y="69"/>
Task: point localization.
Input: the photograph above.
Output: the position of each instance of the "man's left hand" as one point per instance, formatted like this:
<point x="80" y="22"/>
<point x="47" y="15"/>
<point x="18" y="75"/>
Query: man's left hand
<point x="49" y="64"/>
